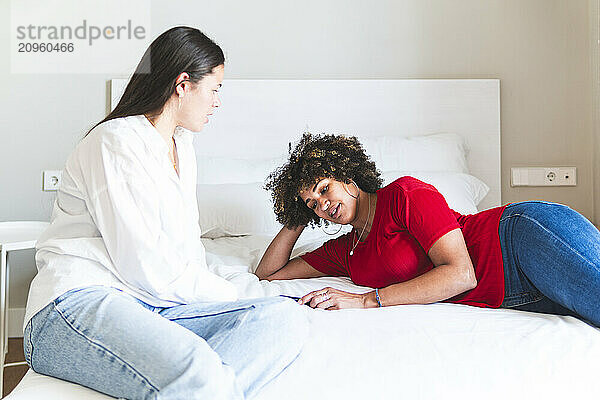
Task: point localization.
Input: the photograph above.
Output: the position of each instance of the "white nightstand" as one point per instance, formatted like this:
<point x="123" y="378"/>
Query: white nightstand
<point x="19" y="235"/>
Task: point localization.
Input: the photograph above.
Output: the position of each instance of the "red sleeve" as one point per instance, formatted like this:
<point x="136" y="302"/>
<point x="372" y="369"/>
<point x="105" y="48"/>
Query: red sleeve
<point x="425" y="214"/>
<point x="329" y="258"/>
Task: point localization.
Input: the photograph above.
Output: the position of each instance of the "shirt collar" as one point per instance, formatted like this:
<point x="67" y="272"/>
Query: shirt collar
<point x="152" y="137"/>
<point x="155" y="141"/>
<point x="184" y="134"/>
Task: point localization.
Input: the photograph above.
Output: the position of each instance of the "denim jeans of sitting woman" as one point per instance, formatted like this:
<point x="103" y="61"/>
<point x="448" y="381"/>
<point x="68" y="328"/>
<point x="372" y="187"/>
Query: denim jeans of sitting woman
<point x="107" y="340"/>
<point x="551" y="259"/>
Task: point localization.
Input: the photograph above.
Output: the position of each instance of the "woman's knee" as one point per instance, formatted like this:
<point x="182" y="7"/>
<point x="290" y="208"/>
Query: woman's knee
<point x="285" y="311"/>
<point x="287" y="321"/>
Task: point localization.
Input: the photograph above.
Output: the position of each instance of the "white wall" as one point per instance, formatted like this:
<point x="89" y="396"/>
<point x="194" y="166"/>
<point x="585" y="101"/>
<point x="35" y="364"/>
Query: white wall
<point x="594" y="15"/>
<point x="541" y="50"/>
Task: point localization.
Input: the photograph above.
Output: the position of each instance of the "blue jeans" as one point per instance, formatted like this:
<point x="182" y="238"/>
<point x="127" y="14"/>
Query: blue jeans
<point x="105" y="339"/>
<point x="551" y="259"/>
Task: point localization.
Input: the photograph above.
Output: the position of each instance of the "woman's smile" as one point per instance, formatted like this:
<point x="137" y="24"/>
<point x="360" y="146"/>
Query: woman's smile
<point x="331" y="210"/>
<point x="335" y="211"/>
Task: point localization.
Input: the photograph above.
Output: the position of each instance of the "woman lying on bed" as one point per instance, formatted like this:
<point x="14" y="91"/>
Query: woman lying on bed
<point x="407" y="243"/>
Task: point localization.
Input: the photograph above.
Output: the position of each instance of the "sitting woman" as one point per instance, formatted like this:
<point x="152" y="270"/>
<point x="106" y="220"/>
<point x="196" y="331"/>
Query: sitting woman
<point x="124" y="301"/>
<point x="409" y="245"/>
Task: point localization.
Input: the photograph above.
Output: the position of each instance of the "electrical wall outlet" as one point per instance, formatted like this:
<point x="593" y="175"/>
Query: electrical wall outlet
<point x="543" y="176"/>
<point x="51" y="180"/>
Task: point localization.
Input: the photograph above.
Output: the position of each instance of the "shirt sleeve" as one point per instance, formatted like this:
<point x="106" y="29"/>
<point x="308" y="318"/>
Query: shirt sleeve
<point x="425" y="214"/>
<point x="125" y="206"/>
<point x="329" y="258"/>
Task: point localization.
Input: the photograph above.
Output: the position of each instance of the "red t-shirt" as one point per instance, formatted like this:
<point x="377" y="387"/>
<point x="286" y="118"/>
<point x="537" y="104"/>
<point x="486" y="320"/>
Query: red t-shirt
<point x="410" y="217"/>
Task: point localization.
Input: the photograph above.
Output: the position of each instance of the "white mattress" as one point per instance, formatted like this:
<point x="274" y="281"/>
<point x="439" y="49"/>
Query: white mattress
<point x="434" y="351"/>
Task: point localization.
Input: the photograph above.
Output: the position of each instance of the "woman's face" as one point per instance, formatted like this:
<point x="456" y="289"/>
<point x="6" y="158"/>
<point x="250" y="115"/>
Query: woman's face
<point x="200" y="100"/>
<point x="331" y="200"/>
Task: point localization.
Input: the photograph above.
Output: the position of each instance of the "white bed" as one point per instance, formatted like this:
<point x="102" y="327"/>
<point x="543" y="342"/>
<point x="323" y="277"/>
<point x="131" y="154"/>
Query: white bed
<point x="416" y="352"/>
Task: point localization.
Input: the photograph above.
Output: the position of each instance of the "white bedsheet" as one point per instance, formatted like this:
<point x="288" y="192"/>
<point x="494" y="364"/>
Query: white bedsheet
<point x="235" y="259"/>
<point x="439" y="351"/>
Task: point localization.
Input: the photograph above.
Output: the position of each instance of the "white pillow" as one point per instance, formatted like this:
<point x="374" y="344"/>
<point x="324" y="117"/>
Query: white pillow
<point x="235" y="209"/>
<point x="438" y="152"/>
<point x="463" y="192"/>
<point x="217" y="170"/>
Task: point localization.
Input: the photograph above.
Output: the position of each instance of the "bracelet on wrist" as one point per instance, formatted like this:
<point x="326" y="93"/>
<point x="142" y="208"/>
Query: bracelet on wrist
<point x="377" y="298"/>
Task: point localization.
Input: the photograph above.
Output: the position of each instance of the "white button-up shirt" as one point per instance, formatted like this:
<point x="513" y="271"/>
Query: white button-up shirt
<point x="124" y="218"/>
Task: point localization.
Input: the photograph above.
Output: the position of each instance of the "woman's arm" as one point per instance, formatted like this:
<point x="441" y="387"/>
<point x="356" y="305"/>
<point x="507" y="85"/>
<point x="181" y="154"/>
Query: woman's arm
<point x="127" y="207"/>
<point x="452" y="275"/>
<point x="276" y="263"/>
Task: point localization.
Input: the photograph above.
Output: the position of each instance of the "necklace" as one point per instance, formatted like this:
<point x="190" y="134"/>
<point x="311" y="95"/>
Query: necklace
<point x="173" y="160"/>
<point x="364" y="227"/>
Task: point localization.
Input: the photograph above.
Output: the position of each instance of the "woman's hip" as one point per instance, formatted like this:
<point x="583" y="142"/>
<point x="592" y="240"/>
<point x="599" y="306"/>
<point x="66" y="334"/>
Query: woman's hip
<point x="538" y="228"/>
<point x="549" y="250"/>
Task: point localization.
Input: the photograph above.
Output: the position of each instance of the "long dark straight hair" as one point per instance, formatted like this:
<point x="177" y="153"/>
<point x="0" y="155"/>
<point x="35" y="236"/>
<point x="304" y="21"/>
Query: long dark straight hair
<point x="180" y="49"/>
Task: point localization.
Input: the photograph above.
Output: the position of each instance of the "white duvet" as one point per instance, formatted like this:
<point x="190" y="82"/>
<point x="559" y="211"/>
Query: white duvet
<point x="439" y="351"/>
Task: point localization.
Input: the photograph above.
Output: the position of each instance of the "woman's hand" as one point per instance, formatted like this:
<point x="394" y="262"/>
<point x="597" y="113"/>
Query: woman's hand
<point x="333" y="299"/>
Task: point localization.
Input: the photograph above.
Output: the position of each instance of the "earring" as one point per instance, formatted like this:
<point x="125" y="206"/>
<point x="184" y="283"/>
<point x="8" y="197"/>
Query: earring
<point x="179" y="106"/>
<point x="357" y="190"/>
<point x="330" y="234"/>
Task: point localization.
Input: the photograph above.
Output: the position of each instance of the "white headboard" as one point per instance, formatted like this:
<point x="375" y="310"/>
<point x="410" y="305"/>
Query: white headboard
<point x="258" y="118"/>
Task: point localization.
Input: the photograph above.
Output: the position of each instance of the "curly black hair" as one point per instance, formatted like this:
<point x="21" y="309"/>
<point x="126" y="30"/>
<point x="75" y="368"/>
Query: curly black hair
<point x="318" y="156"/>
